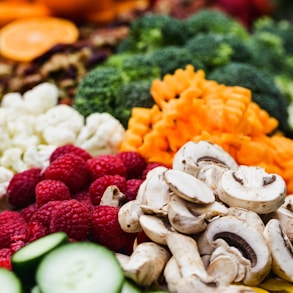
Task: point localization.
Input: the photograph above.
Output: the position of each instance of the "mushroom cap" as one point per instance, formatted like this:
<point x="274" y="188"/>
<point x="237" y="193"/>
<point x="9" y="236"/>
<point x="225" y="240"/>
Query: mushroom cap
<point x="281" y="250"/>
<point x="252" y="188"/>
<point x="188" y="187"/>
<point x="191" y="154"/>
<point x="248" y="240"/>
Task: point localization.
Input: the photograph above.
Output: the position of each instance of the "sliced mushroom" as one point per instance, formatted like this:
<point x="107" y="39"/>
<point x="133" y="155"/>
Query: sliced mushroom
<point x="194" y="284"/>
<point x="285" y="215"/>
<point x="128" y="216"/>
<point x="253" y="189"/>
<point x="154" y="193"/>
<point x="182" y="218"/>
<point x="185" y="251"/>
<point x="248" y="240"/>
<point x="112" y="196"/>
<point x="188" y="187"/>
<point x="230" y="258"/>
<point x="190" y="218"/>
<point x="189" y="157"/>
<point x="172" y="274"/>
<point x="146" y="263"/>
<point x="251" y="218"/>
<point x="281" y="249"/>
<point x="156" y="228"/>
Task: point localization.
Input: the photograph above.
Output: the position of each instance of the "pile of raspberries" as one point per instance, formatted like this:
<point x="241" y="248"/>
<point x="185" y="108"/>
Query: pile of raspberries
<point x="66" y="197"/>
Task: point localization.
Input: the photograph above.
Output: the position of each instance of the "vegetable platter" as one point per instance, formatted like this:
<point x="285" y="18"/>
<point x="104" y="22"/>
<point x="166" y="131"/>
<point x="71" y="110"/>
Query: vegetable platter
<point x="150" y="175"/>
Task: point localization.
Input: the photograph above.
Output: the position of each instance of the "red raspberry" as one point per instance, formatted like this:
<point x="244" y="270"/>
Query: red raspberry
<point x="16" y="245"/>
<point x="8" y="215"/>
<point x="107" y="231"/>
<point x="44" y="214"/>
<point x="132" y="186"/>
<point x="72" y="217"/>
<point x="28" y="211"/>
<point x="36" y="231"/>
<point x="84" y="198"/>
<point x="47" y="190"/>
<point x="134" y="163"/>
<point x="70" y="169"/>
<point x="5" y="258"/>
<point x="105" y="165"/>
<point x="98" y="187"/>
<point x="14" y="229"/>
<point x="21" y="188"/>
<point x="69" y="148"/>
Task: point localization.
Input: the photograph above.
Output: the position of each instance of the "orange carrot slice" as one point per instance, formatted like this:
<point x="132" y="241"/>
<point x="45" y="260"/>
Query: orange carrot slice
<point x="27" y="38"/>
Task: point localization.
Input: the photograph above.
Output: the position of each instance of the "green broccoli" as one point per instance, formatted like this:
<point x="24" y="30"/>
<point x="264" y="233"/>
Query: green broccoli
<point x="171" y="58"/>
<point x="214" y="21"/>
<point x="264" y="91"/>
<point x="267" y="52"/>
<point x="152" y="31"/>
<point x="115" y="88"/>
<point x="133" y="94"/>
<point x="281" y="28"/>
<point x="210" y="50"/>
<point x="98" y="91"/>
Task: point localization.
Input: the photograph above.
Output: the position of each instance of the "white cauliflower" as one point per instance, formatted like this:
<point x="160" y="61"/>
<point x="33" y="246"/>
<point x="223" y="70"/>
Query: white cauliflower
<point x="38" y="156"/>
<point x="60" y="125"/>
<point x="12" y="159"/>
<point x="5" y="177"/>
<point x="41" y="98"/>
<point x="101" y="134"/>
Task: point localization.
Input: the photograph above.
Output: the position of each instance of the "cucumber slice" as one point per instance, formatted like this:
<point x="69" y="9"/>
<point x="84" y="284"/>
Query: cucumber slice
<point x="25" y="260"/>
<point x="80" y="267"/>
<point x="9" y="282"/>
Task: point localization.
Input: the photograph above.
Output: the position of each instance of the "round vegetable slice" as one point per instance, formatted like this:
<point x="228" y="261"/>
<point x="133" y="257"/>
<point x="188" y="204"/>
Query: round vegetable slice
<point x="25" y="260"/>
<point x="9" y="282"/>
<point x="27" y="38"/>
<point x="80" y="267"/>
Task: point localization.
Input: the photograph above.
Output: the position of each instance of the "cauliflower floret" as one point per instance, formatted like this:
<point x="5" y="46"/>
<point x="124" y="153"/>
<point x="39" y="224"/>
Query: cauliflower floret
<point x="38" y="156"/>
<point x="5" y="177"/>
<point x="13" y="101"/>
<point x="101" y="134"/>
<point x="12" y="160"/>
<point x="60" y="125"/>
<point x="22" y="132"/>
<point x="41" y="98"/>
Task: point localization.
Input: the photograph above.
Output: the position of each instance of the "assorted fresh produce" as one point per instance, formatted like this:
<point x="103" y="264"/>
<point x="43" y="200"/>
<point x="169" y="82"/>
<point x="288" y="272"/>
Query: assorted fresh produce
<point x="172" y="162"/>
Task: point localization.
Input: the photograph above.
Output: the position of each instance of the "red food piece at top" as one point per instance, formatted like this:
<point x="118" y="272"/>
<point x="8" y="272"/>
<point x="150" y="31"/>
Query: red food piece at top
<point x="69" y="148"/>
<point x="70" y="169"/>
<point x="21" y="188"/>
<point x="105" y="165"/>
<point x="47" y="190"/>
<point x="134" y="163"/>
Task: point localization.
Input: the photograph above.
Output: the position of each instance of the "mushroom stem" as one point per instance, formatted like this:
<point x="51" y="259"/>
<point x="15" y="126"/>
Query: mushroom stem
<point x="185" y="251"/>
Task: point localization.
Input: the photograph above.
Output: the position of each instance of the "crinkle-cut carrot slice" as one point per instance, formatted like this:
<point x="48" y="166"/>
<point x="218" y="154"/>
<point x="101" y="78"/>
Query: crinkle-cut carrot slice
<point x="283" y="150"/>
<point x="253" y="152"/>
<point x="27" y="38"/>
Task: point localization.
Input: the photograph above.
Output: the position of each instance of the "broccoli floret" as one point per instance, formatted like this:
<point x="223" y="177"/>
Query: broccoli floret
<point x="134" y="66"/>
<point x="140" y="66"/>
<point x="98" y="91"/>
<point x="281" y="28"/>
<point x="171" y="58"/>
<point x="214" y="21"/>
<point x="153" y="31"/>
<point x="267" y="52"/>
<point x="264" y="91"/>
<point x="210" y="49"/>
<point x="133" y="94"/>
